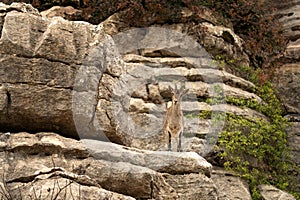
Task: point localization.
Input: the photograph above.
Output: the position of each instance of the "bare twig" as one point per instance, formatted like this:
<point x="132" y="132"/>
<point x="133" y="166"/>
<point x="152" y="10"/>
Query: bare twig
<point x="20" y="192"/>
<point x="53" y="190"/>
<point x="34" y="192"/>
<point x="66" y="191"/>
<point x="71" y="193"/>
<point x="61" y="189"/>
<point x="79" y="192"/>
<point x="4" y="190"/>
<point x="52" y="160"/>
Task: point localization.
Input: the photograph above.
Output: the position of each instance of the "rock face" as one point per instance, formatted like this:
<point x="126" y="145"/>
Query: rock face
<point x="68" y="13"/>
<point x="34" y="75"/>
<point x="39" y="63"/>
<point x="153" y="63"/>
<point x="287" y="79"/>
<point x="269" y="192"/>
<point x="230" y="187"/>
<point x="74" y="79"/>
<point x="167" y="162"/>
<point x="65" y="167"/>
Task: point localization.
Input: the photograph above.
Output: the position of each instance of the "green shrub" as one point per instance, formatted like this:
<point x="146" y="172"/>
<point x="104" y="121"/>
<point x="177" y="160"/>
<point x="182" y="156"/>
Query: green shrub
<point x="258" y="148"/>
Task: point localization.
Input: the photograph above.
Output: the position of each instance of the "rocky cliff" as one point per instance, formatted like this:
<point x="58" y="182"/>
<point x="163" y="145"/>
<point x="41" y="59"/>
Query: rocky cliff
<point x="287" y="78"/>
<point x="110" y="83"/>
<point x="50" y="82"/>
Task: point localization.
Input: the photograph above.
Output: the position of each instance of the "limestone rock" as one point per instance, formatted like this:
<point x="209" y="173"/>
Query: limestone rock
<point x="287" y="78"/>
<point x="230" y="186"/>
<point x="269" y="192"/>
<point x="105" y="169"/>
<point x="114" y="171"/>
<point x="34" y="144"/>
<point x="167" y="162"/>
<point x="132" y="180"/>
<point x="219" y="32"/>
<point x="289" y="12"/>
<point x="140" y="93"/>
<point x="41" y="5"/>
<point x="287" y="82"/>
<point x="138" y="105"/>
<point x="60" y="156"/>
<point x="62" y="185"/>
<point x="4" y="99"/>
<point x="114" y="24"/>
<point x="79" y="86"/>
<point x="69" y="77"/>
<point x="294" y="139"/>
<point x="193" y="186"/>
<point x="23" y="7"/>
<point x="68" y="13"/>
<point x="39" y="69"/>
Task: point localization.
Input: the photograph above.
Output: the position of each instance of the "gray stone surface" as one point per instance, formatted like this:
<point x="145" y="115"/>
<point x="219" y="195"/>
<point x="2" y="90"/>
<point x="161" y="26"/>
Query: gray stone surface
<point x="287" y="79"/>
<point x="193" y="186"/>
<point x="68" y="13"/>
<point x="230" y="187"/>
<point x="68" y="77"/>
<point x="38" y="68"/>
<point x="162" y="161"/>
<point x="270" y="192"/>
<point x="49" y="163"/>
<point x="55" y="158"/>
<point x="56" y="183"/>
<point x="79" y="86"/>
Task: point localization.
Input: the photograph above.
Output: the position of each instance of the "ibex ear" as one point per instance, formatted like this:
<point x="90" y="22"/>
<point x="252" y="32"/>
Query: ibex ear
<point x="184" y="92"/>
<point x="171" y="90"/>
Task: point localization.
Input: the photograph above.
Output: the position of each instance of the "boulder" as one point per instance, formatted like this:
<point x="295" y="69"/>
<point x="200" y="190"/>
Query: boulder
<point x="59" y="184"/>
<point x="40" y="85"/>
<point x="230" y="186"/>
<point x="193" y="186"/>
<point x="161" y="161"/>
<point x="64" y="166"/>
<point x="68" y="13"/>
<point x="34" y="144"/>
<point x="270" y="192"/>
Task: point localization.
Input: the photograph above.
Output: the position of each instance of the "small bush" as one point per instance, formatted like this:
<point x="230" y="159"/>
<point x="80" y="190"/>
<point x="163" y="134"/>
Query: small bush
<point x="258" y="149"/>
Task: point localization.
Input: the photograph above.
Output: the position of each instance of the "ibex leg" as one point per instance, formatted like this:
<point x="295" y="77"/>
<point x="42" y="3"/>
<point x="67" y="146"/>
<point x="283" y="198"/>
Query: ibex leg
<point x="179" y="142"/>
<point x="168" y="139"/>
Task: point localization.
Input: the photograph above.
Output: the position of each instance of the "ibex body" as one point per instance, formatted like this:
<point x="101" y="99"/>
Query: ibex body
<point x="173" y="122"/>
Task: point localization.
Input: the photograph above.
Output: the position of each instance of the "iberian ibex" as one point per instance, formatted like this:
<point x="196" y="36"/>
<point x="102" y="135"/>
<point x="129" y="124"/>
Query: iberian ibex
<point x="173" y="122"/>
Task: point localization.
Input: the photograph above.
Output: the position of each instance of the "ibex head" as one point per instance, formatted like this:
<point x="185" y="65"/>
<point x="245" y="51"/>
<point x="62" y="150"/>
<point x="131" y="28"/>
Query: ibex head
<point x="177" y="94"/>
